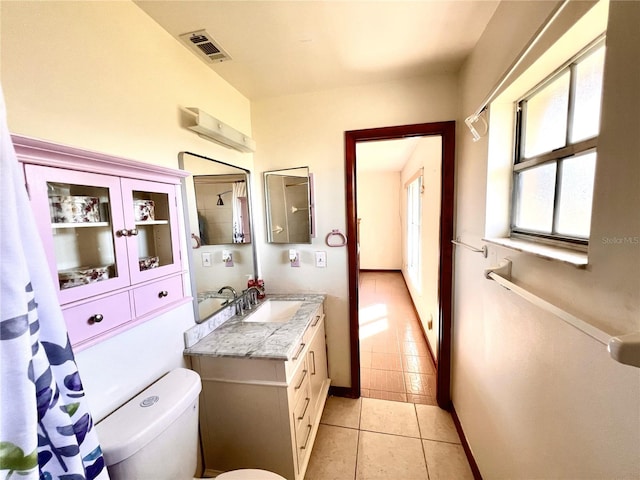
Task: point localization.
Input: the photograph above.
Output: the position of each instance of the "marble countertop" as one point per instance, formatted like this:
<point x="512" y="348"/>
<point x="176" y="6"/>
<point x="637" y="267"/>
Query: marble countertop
<point x="237" y="338"/>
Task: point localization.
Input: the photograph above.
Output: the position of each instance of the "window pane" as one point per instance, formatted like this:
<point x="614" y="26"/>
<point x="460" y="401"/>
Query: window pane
<point x="586" y="118"/>
<point x="546" y="118"/>
<point x="535" y="195"/>
<point x="576" y="194"/>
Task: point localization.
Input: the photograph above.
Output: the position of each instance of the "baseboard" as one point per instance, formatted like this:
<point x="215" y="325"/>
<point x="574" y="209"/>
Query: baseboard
<point x="465" y="445"/>
<point x="343" y="392"/>
<point x="380" y="270"/>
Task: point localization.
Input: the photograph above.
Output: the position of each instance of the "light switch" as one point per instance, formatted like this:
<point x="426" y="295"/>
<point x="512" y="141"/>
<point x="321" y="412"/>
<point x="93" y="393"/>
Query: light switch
<point x="206" y="259"/>
<point x="321" y="259"/>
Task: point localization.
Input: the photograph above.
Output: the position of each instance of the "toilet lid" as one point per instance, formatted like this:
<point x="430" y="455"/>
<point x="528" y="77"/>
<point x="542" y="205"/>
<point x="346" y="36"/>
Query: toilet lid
<point x="249" y="474"/>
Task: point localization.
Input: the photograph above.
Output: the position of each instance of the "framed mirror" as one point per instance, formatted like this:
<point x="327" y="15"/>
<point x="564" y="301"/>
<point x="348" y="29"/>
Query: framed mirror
<point x="217" y="204"/>
<point x="289" y="206"/>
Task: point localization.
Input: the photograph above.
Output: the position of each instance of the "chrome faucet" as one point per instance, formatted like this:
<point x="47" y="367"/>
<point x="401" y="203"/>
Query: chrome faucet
<point x="252" y="296"/>
<point x="232" y="290"/>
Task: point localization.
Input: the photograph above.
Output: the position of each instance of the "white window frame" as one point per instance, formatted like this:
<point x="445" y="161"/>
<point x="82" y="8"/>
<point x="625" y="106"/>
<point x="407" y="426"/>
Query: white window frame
<point x="570" y="150"/>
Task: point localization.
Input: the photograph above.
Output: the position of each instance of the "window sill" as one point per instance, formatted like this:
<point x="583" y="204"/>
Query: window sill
<point x="552" y="252"/>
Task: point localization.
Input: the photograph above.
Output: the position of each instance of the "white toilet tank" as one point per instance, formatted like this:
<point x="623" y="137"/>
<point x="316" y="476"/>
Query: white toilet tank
<point x="155" y="434"/>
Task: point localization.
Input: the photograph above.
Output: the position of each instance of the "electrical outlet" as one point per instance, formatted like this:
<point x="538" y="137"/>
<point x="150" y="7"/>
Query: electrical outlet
<point x="321" y="259"/>
<point x="206" y="259"/>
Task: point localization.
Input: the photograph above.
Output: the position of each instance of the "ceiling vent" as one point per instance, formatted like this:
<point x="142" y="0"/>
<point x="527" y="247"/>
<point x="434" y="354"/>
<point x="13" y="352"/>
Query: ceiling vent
<point x="204" y="46"/>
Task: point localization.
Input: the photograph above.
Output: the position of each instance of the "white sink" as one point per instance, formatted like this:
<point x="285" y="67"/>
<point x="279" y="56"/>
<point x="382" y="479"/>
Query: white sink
<point x="274" y="311"/>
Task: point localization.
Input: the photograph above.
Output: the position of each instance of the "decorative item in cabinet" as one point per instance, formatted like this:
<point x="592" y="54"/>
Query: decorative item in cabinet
<point x="83" y="275"/>
<point x="108" y="225"/>
<point x="74" y="209"/>
<point x="144" y="210"/>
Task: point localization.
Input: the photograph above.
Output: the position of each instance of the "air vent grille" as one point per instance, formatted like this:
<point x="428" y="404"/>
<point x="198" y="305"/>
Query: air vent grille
<point x="202" y="43"/>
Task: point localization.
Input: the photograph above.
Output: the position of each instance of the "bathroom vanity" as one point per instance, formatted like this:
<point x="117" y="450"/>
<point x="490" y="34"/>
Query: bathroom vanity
<point x="264" y="386"/>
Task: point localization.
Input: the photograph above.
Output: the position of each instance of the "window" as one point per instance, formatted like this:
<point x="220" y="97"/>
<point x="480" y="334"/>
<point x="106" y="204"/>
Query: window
<point x="557" y="126"/>
<point x="414" y="216"/>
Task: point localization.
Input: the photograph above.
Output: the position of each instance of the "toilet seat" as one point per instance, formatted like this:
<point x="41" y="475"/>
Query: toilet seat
<point x="249" y="474"/>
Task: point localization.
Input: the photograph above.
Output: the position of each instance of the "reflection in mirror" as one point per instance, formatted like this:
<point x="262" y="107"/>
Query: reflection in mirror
<point x="217" y="203"/>
<point x="222" y="208"/>
<point x="288" y="205"/>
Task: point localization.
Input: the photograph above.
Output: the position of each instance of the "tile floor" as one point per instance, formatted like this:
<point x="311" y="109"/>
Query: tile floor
<point x="369" y="438"/>
<point x="395" y="363"/>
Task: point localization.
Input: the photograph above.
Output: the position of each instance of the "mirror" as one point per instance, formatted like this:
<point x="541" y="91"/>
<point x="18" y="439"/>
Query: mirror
<point x="217" y="205"/>
<point x="289" y="206"/>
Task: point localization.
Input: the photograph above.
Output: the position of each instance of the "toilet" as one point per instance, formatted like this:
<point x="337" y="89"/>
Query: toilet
<point x="155" y="434"/>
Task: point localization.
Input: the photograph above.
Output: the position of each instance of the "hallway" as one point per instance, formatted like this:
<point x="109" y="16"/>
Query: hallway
<point x="395" y="363"/>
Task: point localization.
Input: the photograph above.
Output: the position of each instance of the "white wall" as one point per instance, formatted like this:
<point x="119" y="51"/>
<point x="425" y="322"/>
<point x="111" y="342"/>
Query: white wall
<point x="426" y="156"/>
<point x="104" y="77"/>
<point x="380" y="234"/>
<point x="309" y="130"/>
<point x="536" y="398"/>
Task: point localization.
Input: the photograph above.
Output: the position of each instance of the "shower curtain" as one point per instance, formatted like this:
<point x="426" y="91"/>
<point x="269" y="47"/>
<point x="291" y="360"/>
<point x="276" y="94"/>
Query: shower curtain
<point x="46" y="430"/>
<point x="240" y="232"/>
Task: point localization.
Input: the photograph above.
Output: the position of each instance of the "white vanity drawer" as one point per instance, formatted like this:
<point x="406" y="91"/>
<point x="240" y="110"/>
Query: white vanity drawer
<point x="300" y="382"/>
<point x="302" y="409"/>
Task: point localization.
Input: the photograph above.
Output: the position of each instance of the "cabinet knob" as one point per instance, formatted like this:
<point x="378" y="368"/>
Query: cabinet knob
<point x="122" y="233"/>
<point x="133" y="232"/>
<point x="97" y="318"/>
<point x="163" y="294"/>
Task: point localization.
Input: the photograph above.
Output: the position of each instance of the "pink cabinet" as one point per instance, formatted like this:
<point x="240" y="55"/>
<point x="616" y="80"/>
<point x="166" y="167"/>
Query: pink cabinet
<point x="111" y="230"/>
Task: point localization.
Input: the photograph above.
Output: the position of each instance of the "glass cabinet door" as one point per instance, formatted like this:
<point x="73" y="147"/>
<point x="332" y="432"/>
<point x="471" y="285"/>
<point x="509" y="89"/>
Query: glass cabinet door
<point x="153" y="245"/>
<point x="80" y="234"/>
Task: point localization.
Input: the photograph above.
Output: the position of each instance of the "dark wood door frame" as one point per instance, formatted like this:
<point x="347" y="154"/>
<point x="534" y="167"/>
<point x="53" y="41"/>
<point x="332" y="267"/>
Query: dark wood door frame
<point x="447" y="131"/>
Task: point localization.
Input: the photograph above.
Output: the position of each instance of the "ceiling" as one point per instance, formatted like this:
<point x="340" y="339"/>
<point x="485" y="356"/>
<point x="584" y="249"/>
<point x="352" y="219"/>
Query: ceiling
<point x="385" y="155"/>
<point x="298" y="46"/>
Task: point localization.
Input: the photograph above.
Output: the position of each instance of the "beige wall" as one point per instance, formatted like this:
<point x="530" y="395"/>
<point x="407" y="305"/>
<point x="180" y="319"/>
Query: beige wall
<point x="104" y="77"/>
<point x="309" y="130"/>
<point x="379" y="203"/>
<point x="537" y="398"/>
<point x="426" y="156"/>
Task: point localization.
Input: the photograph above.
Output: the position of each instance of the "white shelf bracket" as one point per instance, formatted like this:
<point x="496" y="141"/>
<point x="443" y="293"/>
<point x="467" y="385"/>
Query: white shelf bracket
<point x="503" y="269"/>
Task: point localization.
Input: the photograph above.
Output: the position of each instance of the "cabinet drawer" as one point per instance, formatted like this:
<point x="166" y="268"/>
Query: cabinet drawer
<point x="303" y="440"/>
<point x="313" y="326"/>
<point x="157" y="295"/>
<point x="300" y="383"/>
<point x="96" y="317"/>
<point x="302" y="409"/>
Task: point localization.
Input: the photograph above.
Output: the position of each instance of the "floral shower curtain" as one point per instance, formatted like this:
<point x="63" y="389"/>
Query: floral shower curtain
<point x="46" y="430"/>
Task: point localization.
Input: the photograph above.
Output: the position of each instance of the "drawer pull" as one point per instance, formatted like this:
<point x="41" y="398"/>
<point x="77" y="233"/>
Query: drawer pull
<point x="309" y="427"/>
<point x="313" y="362"/>
<point x="163" y="294"/>
<point x="308" y="400"/>
<point x="304" y="374"/>
<point x="316" y="321"/>
<point x="295" y="357"/>
<point x="97" y="318"/>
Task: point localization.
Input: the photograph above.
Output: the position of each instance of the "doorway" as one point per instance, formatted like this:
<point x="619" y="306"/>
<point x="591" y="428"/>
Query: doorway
<point x="446" y="130"/>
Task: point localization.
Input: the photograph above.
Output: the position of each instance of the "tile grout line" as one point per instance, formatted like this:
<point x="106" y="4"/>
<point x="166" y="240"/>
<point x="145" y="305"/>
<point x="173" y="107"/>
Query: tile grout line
<point x="424" y="454"/>
<point x="355" y="473"/>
